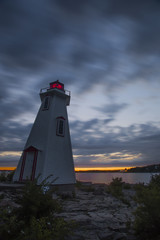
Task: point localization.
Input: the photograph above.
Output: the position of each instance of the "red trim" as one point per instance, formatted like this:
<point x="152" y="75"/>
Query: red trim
<point x="60" y="118"/>
<point x="30" y="149"/>
<point x="22" y="166"/>
<point x="34" y="165"/>
<point x="35" y="151"/>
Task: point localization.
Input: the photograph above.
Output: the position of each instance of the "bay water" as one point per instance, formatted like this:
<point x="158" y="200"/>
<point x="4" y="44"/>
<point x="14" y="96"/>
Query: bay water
<point x="106" y="177"/>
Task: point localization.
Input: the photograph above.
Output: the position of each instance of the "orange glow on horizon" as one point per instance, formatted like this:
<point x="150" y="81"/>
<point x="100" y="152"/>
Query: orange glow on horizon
<point x="78" y="169"/>
<point x="7" y="168"/>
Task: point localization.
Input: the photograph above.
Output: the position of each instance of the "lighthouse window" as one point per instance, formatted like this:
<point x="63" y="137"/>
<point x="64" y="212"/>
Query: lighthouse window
<point x="46" y="103"/>
<point x="60" y="127"/>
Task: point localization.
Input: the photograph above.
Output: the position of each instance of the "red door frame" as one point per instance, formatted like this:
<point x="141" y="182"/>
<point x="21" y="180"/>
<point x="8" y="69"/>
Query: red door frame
<point x="29" y="149"/>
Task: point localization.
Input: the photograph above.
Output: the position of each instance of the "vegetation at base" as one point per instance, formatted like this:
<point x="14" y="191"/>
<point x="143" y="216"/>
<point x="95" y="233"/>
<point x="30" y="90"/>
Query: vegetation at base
<point x="35" y="218"/>
<point x="86" y="188"/>
<point x="6" y="177"/>
<point x="147" y="214"/>
<point x="116" y="189"/>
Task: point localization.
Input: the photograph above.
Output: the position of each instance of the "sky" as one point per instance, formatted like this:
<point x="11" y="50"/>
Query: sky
<point x="107" y="53"/>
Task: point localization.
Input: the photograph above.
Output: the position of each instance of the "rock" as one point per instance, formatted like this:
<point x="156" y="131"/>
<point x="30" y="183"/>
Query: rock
<point x="99" y="191"/>
<point x="84" y="235"/>
<point x="131" y="237"/>
<point x="105" y="235"/>
<point x="66" y="195"/>
<point x="97" y="214"/>
<point x="81" y="218"/>
<point x="7" y="202"/>
<point x="119" y="236"/>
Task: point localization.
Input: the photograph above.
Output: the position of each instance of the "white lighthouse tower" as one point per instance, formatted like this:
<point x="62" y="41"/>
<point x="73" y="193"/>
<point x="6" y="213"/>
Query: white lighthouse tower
<point x="48" y="149"/>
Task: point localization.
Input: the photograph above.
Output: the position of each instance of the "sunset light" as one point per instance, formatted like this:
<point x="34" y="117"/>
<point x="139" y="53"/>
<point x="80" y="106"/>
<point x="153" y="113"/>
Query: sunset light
<point x="79" y="169"/>
<point x="7" y="168"/>
<point x="10" y="153"/>
<point x="80" y="93"/>
<point x="95" y="50"/>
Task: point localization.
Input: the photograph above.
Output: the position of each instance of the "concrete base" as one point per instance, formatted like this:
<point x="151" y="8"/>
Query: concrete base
<point x="63" y="187"/>
<point x="56" y="187"/>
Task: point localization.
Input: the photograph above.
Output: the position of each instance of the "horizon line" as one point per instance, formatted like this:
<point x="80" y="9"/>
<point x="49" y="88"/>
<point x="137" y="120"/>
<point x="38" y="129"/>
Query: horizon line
<point x="79" y="169"/>
<point x="85" y="169"/>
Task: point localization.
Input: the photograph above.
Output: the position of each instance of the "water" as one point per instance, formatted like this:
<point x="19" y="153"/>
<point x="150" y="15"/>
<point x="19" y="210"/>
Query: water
<point x="107" y="177"/>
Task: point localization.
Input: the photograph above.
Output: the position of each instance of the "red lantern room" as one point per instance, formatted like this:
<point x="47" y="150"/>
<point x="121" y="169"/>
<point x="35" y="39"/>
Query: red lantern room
<point x="57" y="85"/>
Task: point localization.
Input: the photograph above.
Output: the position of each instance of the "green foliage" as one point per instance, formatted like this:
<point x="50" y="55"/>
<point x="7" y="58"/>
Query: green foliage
<point x="155" y="181"/>
<point x="35" y="203"/>
<point x="147" y="214"/>
<point x="127" y="186"/>
<point x="1" y="196"/>
<point x="115" y="187"/>
<point x="116" y="182"/>
<point x="78" y="184"/>
<point x="10" y="176"/>
<point x="87" y="188"/>
<point x="4" y="177"/>
<point x="35" y="218"/>
<point x="45" y="228"/>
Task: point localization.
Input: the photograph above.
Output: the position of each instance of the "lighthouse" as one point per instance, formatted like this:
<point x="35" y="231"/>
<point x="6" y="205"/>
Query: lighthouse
<point x="48" y="150"/>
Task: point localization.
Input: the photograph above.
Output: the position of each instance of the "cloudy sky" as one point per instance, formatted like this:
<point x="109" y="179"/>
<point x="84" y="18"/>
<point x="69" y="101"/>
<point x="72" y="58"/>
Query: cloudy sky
<point x="107" y="53"/>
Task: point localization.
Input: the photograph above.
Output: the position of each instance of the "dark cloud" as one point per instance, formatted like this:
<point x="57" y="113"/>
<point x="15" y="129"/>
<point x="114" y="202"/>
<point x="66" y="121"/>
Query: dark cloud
<point x="88" y="43"/>
<point x="78" y="37"/>
<point x="102" y="139"/>
<point x="112" y="109"/>
<point x="13" y="136"/>
<point x="95" y="137"/>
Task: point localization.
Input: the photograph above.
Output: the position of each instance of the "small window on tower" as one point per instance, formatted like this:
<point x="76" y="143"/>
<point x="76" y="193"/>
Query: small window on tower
<point x="60" y="126"/>
<point x="46" y="103"/>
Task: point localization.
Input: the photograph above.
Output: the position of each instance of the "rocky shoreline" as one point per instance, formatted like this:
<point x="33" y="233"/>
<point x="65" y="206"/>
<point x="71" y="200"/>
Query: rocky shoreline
<point x="100" y="216"/>
<point x="96" y="214"/>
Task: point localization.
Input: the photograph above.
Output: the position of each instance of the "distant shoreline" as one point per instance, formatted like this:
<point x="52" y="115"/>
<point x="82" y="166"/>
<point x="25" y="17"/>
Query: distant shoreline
<point x="154" y="168"/>
<point x="116" y="171"/>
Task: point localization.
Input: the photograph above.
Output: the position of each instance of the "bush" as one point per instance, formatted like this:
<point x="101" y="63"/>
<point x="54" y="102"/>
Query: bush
<point x="10" y="176"/>
<point x="147" y="214"/>
<point x="35" y="203"/>
<point x="35" y="218"/>
<point x="115" y="187"/>
<point x="155" y="181"/>
<point x="86" y="188"/>
<point x="4" y="177"/>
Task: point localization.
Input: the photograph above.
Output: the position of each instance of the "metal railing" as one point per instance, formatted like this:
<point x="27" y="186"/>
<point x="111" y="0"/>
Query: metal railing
<point x="43" y="90"/>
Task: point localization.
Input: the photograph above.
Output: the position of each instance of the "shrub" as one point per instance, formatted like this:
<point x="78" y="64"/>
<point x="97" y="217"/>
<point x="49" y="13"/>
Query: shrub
<point x="127" y="186"/>
<point x="86" y="188"/>
<point x="115" y="187"/>
<point x="4" y="177"/>
<point x="155" y="181"/>
<point x="78" y="184"/>
<point x="35" y="203"/>
<point x="35" y="218"/>
<point x="147" y="214"/>
<point x="10" y="175"/>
